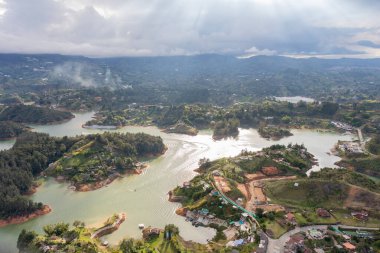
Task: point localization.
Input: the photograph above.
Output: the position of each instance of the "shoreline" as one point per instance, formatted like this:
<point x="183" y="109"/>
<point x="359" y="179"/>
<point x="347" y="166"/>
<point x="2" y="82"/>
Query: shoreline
<point x="104" y="183"/>
<point x="24" y="218"/>
<point x="30" y="125"/>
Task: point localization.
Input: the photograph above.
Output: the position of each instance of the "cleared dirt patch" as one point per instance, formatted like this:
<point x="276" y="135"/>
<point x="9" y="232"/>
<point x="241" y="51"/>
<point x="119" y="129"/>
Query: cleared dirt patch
<point x="361" y="198"/>
<point x="255" y="176"/>
<point x="243" y="189"/>
<point x="222" y="184"/>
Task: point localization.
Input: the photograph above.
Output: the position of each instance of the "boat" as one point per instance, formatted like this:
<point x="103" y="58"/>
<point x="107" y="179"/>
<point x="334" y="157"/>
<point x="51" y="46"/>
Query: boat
<point x="141" y="226"/>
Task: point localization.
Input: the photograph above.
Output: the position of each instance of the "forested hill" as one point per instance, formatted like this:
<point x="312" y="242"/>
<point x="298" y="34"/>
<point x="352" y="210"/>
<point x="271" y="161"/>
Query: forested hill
<point x="30" y="155"/>
<point x="33" y="152"/>
<point x="33" y="115"/>
<point x="258" y="76"/>
<point x="9" y="129"/>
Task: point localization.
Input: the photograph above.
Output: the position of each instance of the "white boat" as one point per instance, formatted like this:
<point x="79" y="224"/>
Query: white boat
<point x="141" y="226"/>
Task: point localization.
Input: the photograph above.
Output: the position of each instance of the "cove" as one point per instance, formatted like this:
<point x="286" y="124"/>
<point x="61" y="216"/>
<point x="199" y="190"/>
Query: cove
<point x="144" y="197"/>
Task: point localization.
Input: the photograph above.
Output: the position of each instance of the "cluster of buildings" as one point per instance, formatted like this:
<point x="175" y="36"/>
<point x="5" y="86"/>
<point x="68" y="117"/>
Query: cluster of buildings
<point x="297" y="242"/>
<point x="203" y="217"/>
<point x="351" y="147"/>
<point x="343" y="126"/>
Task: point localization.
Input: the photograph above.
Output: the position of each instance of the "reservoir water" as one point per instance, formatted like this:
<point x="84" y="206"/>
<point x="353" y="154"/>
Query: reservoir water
<point x="144" y="197"/>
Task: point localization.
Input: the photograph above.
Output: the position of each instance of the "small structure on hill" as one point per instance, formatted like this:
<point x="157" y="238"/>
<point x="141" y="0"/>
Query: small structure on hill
<point x="294" y="243"/>
<point x="323" y="213"/>
<point x="348" y="246"/>
<point x="315" y="234"/>
<point x="186" y="185"/>
<point x="362" y="215"/>
<point x="290" y="218"/>
<point x="150" y="233"/>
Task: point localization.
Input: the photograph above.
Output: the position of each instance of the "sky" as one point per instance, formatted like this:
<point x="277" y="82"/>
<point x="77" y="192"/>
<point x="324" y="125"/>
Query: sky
<point x="243" y="28"/>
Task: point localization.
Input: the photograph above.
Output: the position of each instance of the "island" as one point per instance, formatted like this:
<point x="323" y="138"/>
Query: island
<point x="274" y="133"/>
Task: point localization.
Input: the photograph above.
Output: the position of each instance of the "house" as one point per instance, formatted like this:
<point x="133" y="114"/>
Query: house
<point x="290" y="218"/>
<point x="295" y="242"/>
<point x="348" y="246"/>
<point x="262" y="248"/>
<point x="323" y="213"/>
<point x="315" y="234"/>
<point x="362" y="215"/>
<point x="186" y="185"/>
<point x="149" y="233"/>
<point x="235" y="243"/>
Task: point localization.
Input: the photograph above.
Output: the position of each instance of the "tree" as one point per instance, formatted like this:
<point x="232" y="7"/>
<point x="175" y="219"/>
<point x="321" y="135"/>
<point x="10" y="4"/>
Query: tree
<point x="170" y="231"/>
<point x="57" y="229"/>
<point x="259" y="212"/>
<point x="329" y="108"/>
<point x="128" y="246"/>
<point x="286" y="119"/>
<point x="24" y="239"/>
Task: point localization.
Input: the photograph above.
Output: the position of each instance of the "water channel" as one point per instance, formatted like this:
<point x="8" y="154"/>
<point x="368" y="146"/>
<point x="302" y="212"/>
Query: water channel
<point x="144" y="197"/>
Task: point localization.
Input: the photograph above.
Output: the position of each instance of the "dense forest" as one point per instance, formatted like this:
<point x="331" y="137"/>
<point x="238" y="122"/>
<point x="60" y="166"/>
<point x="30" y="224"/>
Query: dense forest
<point x="98" y="159"/>
<point x="9" y="129"/>
<point x="33" y="152"/>
<point x="33" y="115"/>
<point x="30" y="155"/>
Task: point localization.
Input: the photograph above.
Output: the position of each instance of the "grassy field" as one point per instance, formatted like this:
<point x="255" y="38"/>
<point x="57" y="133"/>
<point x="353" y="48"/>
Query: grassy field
<point x="345" y="218"/>
<point x="177" y="243"/>
<point x="316" y="193"/>
<point x="308" y="194"/>
<point x="310" y="217"/>
<point x="275" y="228"/>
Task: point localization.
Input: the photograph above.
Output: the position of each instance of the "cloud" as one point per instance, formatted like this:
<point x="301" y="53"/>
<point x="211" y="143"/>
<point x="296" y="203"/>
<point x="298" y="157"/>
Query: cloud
<point x="254" y="51"/>
<point x="182" y="27"/>
<point x="368" y="43"/>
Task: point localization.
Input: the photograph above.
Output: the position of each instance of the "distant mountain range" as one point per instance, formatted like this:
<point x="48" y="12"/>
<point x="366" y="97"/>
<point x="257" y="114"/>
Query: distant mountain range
<point x="257" y="76"/>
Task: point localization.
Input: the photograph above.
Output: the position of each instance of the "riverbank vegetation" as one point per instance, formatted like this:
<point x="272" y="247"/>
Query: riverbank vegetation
<point x="90" y="159"/>
<point x="9" y="129"/>
<point x="77" y="238"/>
<point x="224" y="120"/>
<point x="274" y="133"/>
<point x="30" y="114"/>
<point x="232" y="176"/>
<point x="29" y="156"/>
<point x="96" y="160"/>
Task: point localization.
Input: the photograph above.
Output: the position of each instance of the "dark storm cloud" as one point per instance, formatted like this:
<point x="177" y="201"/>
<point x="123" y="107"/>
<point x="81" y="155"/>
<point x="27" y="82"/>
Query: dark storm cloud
<point x="180" y="27"/>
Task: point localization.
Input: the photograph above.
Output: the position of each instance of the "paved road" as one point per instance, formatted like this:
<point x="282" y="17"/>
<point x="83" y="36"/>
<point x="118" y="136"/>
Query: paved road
<point x="250" y="214"/>
<point x="360" y="135"/>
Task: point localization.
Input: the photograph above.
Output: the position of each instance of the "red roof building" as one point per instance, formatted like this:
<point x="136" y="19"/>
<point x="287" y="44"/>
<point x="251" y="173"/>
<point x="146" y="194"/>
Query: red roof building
<point x="323" y="213"/>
